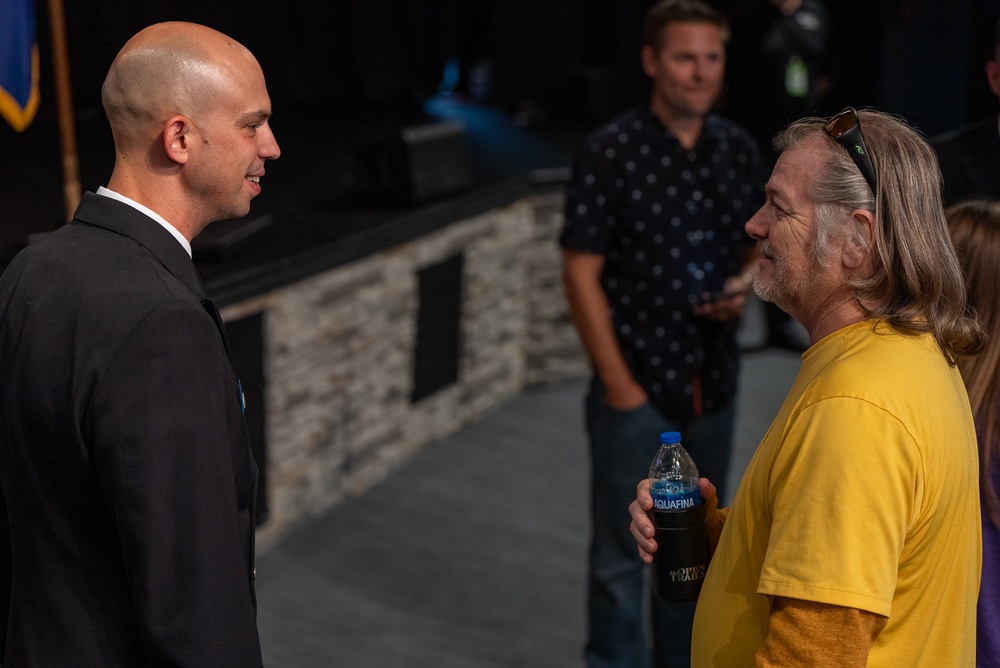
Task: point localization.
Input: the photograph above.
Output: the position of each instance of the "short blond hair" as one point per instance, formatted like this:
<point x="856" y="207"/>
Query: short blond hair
<point x="666" y="12"/>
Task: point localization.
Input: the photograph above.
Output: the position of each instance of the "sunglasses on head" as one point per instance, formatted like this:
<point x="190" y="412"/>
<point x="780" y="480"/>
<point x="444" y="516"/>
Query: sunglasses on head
<point x="845" y="129"/>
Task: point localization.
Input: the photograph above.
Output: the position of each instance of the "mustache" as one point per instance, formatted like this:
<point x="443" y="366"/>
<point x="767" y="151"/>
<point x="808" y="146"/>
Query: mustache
<point x="764" y="247"/>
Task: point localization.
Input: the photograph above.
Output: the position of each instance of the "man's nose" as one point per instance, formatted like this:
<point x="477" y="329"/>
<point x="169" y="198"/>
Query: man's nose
<point x="756" y="226"/>
<point x="269" y="149"/>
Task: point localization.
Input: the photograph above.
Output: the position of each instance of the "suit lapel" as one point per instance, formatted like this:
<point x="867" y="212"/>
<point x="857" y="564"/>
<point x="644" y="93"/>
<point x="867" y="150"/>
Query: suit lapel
<point x="209" y="306"/>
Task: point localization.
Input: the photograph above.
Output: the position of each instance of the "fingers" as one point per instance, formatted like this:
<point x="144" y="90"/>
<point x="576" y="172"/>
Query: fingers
<point x="724" y="308"/>
<point x="706" y="489"/>
<point x="643" y="532"/>
<point x="642" y="528"/>
<point x="710" y="494"/>
<point x="625" y="397"/>
<point x="730" y="307"/>
<point x="642" y="494"/>
<point x="647" y="546"/>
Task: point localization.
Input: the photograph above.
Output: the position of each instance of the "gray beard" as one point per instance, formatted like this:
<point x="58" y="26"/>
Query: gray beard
<point x="782" y="291"/>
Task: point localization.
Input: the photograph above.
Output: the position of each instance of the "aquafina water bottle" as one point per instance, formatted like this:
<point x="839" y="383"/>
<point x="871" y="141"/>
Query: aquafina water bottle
<point x="682" y="554"/>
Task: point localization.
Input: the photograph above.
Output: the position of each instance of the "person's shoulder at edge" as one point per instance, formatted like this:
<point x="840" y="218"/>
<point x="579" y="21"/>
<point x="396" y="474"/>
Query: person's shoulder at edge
<point x="54" y="254"/>
<point x="107" y="271"/>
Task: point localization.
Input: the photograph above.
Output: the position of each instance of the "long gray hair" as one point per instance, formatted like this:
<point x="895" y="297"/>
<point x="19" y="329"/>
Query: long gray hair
<point x="916" y="283"/>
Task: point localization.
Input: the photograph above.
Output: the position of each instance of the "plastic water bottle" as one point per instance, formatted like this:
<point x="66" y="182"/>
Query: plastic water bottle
<point x="682" y="554"/>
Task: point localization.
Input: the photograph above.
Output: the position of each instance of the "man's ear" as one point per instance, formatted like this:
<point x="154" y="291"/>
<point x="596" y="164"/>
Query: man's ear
<point x="649" y="65"/>
<point x="993" y="75"/>
<point x="859" y="244"/>
<point x="177" y="139"/>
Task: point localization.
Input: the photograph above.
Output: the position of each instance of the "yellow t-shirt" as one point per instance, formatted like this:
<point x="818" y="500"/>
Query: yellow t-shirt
<point x="864" y="494"/>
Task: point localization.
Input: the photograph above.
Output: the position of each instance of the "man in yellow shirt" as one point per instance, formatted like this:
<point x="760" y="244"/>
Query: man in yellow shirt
<point x="854" y="538"/>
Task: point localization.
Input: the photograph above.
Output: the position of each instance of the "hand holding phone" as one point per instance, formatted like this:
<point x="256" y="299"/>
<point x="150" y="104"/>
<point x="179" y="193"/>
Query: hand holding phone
<point x="724" y="295"/>
<point x="724" y="304"/>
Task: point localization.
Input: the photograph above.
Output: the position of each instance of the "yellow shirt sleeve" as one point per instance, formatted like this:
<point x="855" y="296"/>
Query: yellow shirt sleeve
<point x="842" y="503"/>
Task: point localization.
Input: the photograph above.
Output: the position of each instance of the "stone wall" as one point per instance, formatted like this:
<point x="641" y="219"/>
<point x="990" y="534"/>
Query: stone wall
<point x="553" y="350"/>
<point x="338" y="357"/>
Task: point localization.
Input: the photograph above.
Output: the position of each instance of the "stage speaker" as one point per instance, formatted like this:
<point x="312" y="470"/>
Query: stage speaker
<point x="415" y="164"/>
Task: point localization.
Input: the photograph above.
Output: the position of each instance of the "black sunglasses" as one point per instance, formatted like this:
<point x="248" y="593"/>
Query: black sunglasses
<point x="845" y="128"/>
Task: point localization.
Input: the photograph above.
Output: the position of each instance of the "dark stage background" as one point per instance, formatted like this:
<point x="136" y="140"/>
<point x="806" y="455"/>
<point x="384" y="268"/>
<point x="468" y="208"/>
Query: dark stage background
<point x="337" y="69"/>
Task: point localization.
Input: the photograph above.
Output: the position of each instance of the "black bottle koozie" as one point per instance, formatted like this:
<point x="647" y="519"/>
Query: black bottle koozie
<point x="682" y="553"/>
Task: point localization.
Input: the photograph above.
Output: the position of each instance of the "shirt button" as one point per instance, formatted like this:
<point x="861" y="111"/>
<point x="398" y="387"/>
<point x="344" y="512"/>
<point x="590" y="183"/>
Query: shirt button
<point x="254" y="572"/>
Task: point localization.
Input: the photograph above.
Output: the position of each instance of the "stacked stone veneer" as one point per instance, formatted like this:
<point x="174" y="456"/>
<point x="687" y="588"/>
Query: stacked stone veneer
<point x="338" y="356"/>
<point x="553" y="350"/>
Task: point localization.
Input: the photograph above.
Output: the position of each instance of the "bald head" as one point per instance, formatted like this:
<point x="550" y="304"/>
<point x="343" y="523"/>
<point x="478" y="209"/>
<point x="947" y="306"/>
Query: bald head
<point x="166" y="69"/>
<point x="189" y="111"/>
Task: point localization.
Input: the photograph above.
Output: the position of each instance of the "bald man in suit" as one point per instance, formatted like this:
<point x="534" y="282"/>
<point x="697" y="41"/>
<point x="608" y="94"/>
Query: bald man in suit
<point x="128" y="483"/>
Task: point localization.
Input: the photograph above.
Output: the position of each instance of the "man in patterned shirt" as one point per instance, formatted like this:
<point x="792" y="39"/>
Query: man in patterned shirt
<point x="656" y="267"/>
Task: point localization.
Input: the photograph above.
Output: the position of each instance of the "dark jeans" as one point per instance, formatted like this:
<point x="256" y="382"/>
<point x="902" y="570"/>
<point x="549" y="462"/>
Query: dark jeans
<point x="623" y="444"/>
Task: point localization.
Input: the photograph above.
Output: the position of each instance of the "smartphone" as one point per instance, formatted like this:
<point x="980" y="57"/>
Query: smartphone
<point x="713" y="297"/>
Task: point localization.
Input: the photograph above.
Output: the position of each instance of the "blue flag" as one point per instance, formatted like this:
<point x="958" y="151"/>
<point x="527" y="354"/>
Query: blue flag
<point x="18" y="63"/>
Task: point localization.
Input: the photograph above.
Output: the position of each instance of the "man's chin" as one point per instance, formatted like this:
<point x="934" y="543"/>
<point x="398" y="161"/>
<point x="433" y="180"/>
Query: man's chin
<point x="782" y="297"/>
<point x="762" y="293"/>
<point x="766" y="292"/>
<point x="239" y="210"/>
<point x="702" y="106"/>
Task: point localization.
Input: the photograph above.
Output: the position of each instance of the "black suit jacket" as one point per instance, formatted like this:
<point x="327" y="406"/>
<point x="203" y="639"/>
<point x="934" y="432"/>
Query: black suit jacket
<point x="970" y="161"/>
<point x="126" y="469"/>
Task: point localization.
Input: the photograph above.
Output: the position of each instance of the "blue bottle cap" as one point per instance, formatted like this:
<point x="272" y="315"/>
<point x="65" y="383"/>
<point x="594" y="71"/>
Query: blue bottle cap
<point x="670" y="437"/>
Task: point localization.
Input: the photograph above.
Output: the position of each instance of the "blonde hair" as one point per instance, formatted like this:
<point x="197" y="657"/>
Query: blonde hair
<point x="666" y="12"/>
<point x="975" y="230"/>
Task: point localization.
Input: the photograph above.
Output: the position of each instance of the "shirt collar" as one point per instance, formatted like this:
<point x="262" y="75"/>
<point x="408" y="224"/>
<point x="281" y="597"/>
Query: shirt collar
<point x="710" y="128"/>
<point x="149" y="212"/>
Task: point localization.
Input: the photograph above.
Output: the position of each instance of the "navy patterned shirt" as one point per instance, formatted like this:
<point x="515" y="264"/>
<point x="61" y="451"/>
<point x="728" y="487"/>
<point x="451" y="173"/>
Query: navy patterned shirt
<point x="669" y="223"/>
